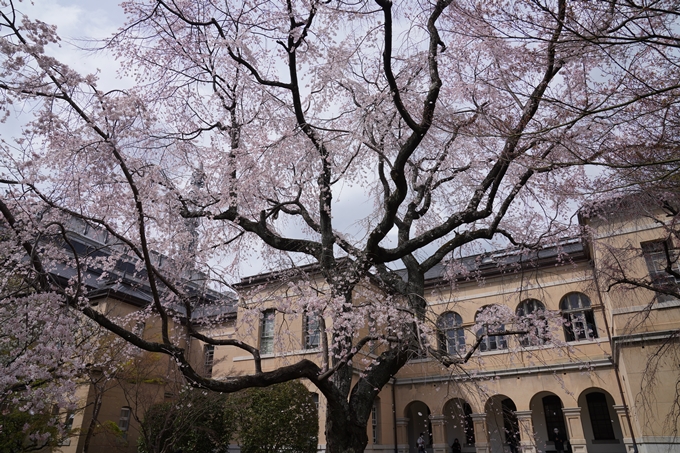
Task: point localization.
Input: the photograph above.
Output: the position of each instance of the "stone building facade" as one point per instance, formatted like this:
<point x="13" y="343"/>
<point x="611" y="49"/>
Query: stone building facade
<point x="607" y="384"/>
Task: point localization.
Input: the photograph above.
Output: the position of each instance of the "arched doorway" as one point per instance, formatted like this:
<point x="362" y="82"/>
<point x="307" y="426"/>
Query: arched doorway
<point x="601" y="426"/>
<point x="502" y="424"/>
<point x="459" y="424"/>
<point x="546" y="415"/>
<point x="418" y="415"/>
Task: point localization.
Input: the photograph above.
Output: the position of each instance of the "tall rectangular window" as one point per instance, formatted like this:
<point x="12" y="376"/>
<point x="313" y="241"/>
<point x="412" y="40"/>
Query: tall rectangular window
<point x="68" y="428"/>
<point x="124" y="421"/>
<point x="311" y="331"/>
<point x="599" y="416"/>
<point x="208" y="359"/>
<point x="659" y="257"/>
<point x="374" y="422"/>
<point x="267" y="332"/>
<point x="554" y="418"/>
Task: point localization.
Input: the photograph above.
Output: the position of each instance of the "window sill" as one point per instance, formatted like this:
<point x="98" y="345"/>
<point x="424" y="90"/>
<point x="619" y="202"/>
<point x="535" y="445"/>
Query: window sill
<point x="589" y="341"/>
<point x="274" y="354"/>
<point x="495" y="351"/>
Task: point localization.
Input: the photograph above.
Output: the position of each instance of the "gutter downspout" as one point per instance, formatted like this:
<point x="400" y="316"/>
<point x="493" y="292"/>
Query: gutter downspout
<point x="614" y="358"/>
<point x="394" y="414"/>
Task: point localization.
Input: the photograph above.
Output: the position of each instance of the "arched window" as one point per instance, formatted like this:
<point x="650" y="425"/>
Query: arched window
<point x="450" y="334"/>
<point x="490" y="330"/>
<point x="532" y="319"/>
<point x="579" y="321"/>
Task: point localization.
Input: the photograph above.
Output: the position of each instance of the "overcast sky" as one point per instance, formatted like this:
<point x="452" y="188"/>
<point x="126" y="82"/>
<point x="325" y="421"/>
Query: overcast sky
<point x="78" y="23"/>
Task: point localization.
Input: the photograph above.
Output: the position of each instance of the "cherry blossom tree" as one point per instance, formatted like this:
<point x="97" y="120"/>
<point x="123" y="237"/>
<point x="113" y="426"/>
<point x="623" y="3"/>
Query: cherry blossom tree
<point x="250" y="124"/>
<point x="42" y="348"/>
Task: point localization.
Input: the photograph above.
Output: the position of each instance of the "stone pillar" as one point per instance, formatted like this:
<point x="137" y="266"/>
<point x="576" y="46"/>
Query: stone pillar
<point x="402" y="435"/>
<point x="439" y="444"/>
<point x="625" y="428"/>
<point x="481" y="433"/>
<point x="527" y="442"/>
<point x="572" y="419"/>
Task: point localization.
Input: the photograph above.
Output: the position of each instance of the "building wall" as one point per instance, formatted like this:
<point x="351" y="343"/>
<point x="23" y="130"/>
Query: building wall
<point x="128" y="378"/>
<point x="612" y="370"/>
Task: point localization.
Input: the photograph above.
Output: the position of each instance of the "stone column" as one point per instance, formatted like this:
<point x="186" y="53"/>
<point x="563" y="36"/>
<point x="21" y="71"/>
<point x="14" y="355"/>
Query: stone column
<point x="572" y="418"/>
<point x="527" y="442"/>
<point x="439" y="444"/>
<point x="625" y="429"/>
<point x="402" y="435"/>
<point x="481" y="433"/>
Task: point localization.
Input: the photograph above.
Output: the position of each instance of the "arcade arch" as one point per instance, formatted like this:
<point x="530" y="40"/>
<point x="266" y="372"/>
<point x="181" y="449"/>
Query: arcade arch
<point x="502" y="424"/>
<point x="601" y="426"/>
<point x="458" y="422"/>
<point x="418" y="414"/>
<point x="546" y="416"/>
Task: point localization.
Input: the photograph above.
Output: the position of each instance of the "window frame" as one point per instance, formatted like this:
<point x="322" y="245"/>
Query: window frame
<point x="208" y="359"/>
<point x="450" y="333"/>
<point x="124" y="420"/>
<point x="375" y="427"/>
<point x="267" y="331"/>
<point x="540" y="332"/>
<point x="601" y="424"/>
<point x="581" y="315"/>
<point x="499" y="342"/>
<point x="655" y="252"/>
<point x="311" y="330"/>
<point x="68" y="427"/>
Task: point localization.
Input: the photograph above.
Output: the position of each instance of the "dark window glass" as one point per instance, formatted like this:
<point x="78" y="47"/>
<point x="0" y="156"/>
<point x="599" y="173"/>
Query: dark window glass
<point x="208" y="359"/>
<point x="579" y="321"/>
<point x="267" y="332"/>
<point x="311" y="331"/>
<point x="510" y="424"/>
<point x="532" y="316"/>
<point x="469" y="425"/>
<point x="659" y="257"/>
<point x="599" y="416"/>
<point x="552" y="408"/>
<point x="451" y="336"/>
<point x="492" y="342"/>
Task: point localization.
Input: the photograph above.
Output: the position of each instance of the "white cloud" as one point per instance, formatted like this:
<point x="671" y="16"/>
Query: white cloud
<point x="80" y="23"/>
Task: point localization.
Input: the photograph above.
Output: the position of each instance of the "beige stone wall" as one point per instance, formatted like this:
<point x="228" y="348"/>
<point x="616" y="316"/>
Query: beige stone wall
<point x="431" y="397"/>
<point x="143" y="379"/>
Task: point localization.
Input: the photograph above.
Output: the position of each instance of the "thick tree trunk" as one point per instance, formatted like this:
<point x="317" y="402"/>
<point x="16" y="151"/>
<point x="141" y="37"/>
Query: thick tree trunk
<point x="345" y="432"/>
<point x="94" y="421"/>
<point x="349" y="410"/>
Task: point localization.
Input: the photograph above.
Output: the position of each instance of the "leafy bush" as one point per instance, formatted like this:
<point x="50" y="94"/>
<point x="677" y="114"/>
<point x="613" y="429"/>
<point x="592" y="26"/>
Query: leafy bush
<point x="199" y="421"/>
<point x="279" y="418"/>
<point x="21" y="431"/>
